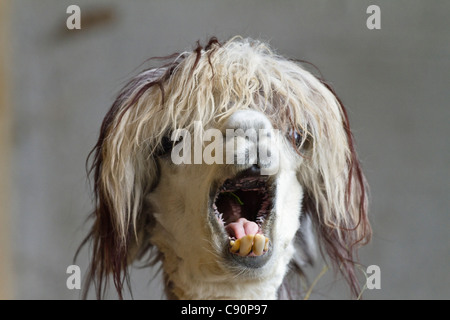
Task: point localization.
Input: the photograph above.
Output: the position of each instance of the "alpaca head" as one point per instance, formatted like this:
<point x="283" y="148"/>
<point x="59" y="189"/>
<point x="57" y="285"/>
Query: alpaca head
<point x="223" y="161"/>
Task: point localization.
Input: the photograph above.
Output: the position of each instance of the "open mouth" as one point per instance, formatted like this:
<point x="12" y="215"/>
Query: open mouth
<point x="242" y="206"/>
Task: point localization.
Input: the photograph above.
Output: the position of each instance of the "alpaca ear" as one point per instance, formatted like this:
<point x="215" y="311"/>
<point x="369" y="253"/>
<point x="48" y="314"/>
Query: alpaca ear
<point x="124" y="170"/>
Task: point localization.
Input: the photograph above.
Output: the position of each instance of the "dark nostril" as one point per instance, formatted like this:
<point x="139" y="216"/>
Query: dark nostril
<point x="253" y="171"/>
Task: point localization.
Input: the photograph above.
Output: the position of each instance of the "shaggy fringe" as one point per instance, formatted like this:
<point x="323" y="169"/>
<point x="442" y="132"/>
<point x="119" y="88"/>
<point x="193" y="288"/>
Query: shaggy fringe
<point x="208" y="85"/>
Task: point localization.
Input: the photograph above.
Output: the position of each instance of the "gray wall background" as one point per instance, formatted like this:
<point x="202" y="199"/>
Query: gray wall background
<point x="394" y="82"/>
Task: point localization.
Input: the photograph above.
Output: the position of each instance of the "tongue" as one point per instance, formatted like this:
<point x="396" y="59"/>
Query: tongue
<point x="242" y="227"/>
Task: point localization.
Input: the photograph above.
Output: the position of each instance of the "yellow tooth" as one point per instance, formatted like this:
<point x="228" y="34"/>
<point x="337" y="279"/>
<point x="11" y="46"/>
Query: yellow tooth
<point x="246" y="245"/>
<point x="266" y="244"/>
<point x="258" y="244"/>
<point x="235" y="245"/>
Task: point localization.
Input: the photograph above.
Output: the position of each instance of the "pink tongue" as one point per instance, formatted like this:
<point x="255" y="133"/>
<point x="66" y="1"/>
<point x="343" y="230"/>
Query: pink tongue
<point x="242" y="227"/>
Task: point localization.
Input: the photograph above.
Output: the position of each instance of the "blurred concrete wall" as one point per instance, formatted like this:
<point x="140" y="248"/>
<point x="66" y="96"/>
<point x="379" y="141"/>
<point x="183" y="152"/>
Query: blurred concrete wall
<point x="394" y="82"/>
<point x="5" y="154"/>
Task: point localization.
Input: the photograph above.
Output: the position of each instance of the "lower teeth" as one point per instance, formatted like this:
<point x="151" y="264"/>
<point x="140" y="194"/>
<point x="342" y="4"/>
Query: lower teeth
<point x="258" y="244"/>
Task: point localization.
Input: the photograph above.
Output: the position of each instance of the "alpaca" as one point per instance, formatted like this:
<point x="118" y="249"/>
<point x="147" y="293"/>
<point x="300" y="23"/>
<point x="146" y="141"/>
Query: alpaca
<point x="230" y="228"/>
